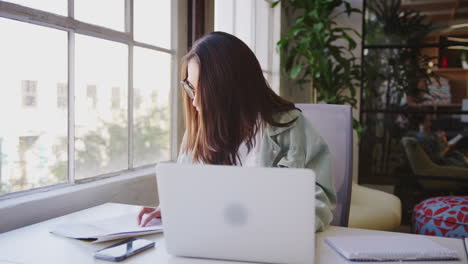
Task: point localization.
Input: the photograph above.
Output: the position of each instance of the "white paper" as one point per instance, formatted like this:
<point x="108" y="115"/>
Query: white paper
<point x="107" y="229"/>
<point x="455" y="139"/>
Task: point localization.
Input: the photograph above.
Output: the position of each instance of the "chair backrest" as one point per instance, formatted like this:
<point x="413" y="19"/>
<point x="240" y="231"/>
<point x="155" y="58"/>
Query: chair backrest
<point x="334" y="124"/>
<point x="417" y="157"/>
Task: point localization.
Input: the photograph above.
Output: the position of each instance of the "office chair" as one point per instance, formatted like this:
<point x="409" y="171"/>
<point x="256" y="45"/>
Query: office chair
<point x="334" y="124"/>
<point x="357" y="206"/>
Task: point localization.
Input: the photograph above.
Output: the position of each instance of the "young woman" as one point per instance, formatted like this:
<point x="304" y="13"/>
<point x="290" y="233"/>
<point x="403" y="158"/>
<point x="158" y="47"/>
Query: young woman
<point x="234" y="118"/>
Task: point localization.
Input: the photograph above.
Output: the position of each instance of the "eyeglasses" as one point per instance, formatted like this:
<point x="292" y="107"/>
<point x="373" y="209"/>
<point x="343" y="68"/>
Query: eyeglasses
<point x="188" y="88"/>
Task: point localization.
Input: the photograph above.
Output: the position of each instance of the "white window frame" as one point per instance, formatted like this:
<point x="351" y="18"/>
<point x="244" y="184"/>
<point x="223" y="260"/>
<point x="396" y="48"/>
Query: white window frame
<point x="72" y="26"/>
<point x="272" y="69"/>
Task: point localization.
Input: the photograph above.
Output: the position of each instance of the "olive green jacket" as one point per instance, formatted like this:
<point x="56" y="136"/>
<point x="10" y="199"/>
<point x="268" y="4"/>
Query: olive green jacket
<point x="297" y="146"/>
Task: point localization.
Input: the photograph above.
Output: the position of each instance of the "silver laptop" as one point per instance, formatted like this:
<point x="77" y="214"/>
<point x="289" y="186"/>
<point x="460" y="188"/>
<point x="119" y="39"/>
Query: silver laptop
<point x="236" y="213"/>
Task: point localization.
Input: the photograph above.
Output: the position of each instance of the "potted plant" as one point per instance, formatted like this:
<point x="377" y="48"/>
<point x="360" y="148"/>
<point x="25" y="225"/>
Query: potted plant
<point x="319" y="52"/>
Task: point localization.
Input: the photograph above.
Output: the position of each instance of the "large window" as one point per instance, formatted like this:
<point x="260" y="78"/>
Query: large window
<point x="85" y="89"/>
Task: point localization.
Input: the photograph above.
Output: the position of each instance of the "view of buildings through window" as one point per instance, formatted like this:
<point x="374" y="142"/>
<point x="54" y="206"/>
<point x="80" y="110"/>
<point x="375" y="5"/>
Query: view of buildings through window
<point x="62" y="95"/>
<point x="34" y="63"/>
<point x="29" y="93"/>
<point x="34" y="137"/>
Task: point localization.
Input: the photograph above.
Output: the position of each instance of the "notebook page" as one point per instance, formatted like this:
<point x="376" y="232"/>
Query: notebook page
<point x="380" y="248"/>
<point x="123" y="224"/>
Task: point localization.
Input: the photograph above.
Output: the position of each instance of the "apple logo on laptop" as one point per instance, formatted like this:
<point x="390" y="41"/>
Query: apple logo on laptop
<point x="235" y="214"/>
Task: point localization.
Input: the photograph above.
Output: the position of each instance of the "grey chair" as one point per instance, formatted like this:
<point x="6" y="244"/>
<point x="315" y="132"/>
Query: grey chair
<point x="334" y="124"/>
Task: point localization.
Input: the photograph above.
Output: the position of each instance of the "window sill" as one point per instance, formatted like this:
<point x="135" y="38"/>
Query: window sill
<point x="134" y="187"/>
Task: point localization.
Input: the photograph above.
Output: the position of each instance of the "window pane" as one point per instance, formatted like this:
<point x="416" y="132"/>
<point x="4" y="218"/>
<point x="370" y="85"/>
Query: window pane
<point x="243" y="22"/>
<point x="152" y="22"/>
<point x="263" y="41"/>
<point x="101" y="136"/>
<point x="106" y="13"/>
<point x="224" y="16"/>
<point x="250" y="21"/>
<point x="33" y="137"/>
<point x="151" y="132"/>
<point x="53" y="6"/>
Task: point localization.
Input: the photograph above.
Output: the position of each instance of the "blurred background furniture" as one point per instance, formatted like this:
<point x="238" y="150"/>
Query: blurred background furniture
<point x="357" y="206"/>
<point x="374" y="209"/>
<point x="429" y="175"/>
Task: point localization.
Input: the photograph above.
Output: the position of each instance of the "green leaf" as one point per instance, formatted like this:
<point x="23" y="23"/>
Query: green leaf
<point x="295" y="71"/>
<point x="318" y="27"/>
<point x="300" y="20"/>
<point x="296" y="31"/>
<point x="304" y="42"/>
<point x="275" y="3"/>
<point x="283" y="43"/>
<point x="313" y="14"/>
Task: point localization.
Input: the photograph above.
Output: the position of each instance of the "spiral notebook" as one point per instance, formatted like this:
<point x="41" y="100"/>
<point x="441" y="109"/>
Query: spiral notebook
<point x="389" y="248"/>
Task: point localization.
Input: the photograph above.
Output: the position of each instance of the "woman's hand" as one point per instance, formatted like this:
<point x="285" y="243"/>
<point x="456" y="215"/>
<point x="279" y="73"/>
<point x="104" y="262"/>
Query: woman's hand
<point x="151" y="212"/>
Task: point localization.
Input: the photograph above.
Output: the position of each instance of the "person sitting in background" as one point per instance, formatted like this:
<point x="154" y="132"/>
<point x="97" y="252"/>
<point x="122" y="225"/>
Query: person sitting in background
<point x="436" y="146"/>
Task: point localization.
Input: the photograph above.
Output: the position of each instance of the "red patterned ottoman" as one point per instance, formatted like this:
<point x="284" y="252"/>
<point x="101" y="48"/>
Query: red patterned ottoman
<point x="445" y="216"/>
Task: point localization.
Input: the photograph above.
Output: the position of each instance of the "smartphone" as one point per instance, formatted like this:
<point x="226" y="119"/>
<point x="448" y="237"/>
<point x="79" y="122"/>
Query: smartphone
<point x="123" y="250"/>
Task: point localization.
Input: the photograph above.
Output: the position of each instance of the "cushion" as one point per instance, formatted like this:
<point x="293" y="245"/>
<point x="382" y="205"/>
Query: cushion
<point x="445" y="216"/>
<point x="374" y="209"/>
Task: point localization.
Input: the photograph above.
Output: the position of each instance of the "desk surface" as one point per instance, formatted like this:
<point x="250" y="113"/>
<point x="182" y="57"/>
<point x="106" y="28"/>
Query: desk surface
<point x="34" y="243"/>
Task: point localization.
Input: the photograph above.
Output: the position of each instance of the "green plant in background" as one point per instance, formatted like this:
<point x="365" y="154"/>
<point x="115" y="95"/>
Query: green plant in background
<point x="400" y="69"/>
<point x="388" y="23"/>
<point x="392" y="73"/>
<point x="319" y="52"/>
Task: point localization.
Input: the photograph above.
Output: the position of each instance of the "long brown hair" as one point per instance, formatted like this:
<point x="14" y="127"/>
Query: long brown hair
<point x="233" y="98"/>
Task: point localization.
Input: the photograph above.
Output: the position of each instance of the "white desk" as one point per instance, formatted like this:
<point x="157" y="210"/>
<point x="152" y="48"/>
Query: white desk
<point x="34" y="244"/>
